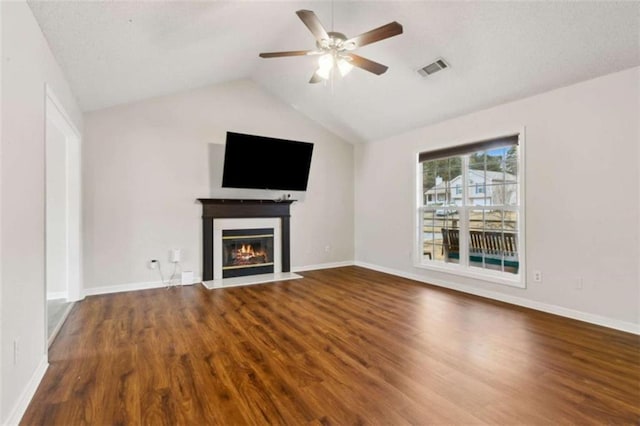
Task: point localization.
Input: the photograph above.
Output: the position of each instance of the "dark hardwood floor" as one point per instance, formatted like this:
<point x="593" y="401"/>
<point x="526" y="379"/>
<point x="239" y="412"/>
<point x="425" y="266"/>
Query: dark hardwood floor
<point x="341" y="346"/>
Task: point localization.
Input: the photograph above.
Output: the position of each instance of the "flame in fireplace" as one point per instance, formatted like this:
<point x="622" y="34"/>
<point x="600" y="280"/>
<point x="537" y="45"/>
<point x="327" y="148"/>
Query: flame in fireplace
<point x="247" y="250"/>
<point x="246" y="254"/>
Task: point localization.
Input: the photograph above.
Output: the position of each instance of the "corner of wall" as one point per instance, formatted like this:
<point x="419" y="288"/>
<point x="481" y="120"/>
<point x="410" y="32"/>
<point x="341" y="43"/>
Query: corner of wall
<point x="28" y="67"/>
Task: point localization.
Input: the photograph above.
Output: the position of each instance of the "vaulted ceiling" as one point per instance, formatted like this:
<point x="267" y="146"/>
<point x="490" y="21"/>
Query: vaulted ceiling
<point x="119" y="52"/>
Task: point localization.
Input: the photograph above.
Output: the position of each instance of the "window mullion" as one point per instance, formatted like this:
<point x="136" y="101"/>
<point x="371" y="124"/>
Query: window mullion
<point x="464" y="214"/>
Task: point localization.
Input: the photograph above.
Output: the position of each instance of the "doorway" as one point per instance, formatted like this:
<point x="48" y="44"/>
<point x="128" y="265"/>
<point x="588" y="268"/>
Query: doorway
<point x="62" y="215"/>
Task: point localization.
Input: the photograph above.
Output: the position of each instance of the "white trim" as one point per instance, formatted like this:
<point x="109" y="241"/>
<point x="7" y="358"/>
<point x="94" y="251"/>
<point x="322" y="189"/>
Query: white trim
<point x="55" y="295"/>
<point x="58" y="326"/>
<point x="1" y="202"/>
<point x="120" y="288"/>
<point x="56" y="113"/>
<point x="29" y="391"/>
<point x="522" y="205"/>
<point x="323" y="266"/>
<point x="488" y="275"/>
<point x="52" y="96"/>
<point x="616" y="324"/>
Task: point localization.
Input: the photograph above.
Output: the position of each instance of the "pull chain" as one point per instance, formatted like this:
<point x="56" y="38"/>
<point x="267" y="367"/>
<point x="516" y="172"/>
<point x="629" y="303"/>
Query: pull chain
<point x="331" y="15"/>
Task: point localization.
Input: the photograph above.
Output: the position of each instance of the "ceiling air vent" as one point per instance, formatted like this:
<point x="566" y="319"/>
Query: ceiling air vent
<point x="437" y="65"/>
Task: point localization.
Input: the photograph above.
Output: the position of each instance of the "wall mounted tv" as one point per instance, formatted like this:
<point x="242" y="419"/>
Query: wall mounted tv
<point x="259" y="162"/>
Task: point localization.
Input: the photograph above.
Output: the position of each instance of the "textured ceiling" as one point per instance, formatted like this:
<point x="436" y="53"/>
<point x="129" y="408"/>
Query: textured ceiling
<point x="118" y="52"/>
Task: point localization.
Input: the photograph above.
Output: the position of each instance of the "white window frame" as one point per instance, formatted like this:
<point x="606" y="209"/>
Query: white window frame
<point x="463" y="268"/>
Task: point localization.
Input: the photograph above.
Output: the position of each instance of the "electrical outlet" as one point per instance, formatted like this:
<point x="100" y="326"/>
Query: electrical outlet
<point x="537" y="276"/>
<point x="153" y="264"/>
<point x="327" y="248"/>
<point x="579" y="283"/>
<point x="174" y="255"/>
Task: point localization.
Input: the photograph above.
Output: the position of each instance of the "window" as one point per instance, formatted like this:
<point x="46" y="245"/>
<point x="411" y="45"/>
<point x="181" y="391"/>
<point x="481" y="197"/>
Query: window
<point x="477" y="231"/>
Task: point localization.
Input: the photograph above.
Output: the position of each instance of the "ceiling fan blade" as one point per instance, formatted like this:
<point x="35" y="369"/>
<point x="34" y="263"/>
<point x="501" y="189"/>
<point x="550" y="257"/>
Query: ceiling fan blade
<point x="385" y="31"/>
<point x="313" y="23"/>
<point x="367" y="64"/>
<point x="289" y="53"/>
<point x="315" y="78"/>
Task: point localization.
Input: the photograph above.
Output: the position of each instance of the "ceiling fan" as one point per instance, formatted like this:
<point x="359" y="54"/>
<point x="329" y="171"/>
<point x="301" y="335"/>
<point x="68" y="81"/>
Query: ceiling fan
<point x="335" y="49"/>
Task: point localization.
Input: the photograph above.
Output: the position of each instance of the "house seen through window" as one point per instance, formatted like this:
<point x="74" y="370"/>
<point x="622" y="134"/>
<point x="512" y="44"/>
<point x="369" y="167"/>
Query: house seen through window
<point x="471" y="209"/>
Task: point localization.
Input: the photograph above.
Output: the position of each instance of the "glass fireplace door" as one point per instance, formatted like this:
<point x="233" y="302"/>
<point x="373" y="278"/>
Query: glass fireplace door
<point x="247" y="252"/>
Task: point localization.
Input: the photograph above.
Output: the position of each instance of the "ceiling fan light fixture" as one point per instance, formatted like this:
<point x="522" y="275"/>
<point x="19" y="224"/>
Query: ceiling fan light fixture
<point x="344" y="66"/>
<point x="325" y="65"/>
<point x="323" y="74"/>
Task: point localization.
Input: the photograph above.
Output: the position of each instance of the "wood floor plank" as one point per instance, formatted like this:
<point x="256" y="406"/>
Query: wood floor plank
<point x="340" y="346"/>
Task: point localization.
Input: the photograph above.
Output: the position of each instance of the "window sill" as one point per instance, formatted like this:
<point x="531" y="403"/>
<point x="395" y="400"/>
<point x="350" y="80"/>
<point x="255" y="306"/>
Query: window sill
<point x="495" y="277"/>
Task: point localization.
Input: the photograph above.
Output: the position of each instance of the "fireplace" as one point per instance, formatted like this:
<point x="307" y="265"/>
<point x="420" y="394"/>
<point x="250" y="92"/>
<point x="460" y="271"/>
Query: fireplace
<point x="261" y="226"/>
<point x="247" y="252"/>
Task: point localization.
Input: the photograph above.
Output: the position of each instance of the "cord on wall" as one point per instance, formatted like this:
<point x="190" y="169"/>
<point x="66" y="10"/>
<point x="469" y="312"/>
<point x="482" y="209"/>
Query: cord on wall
<point x="176" y="266"/>
<point x="155" y="264"/>
<point x="174" y="257"/>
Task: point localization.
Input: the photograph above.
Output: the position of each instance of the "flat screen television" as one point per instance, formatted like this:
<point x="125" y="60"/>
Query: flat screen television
<point x="259" y="162"/>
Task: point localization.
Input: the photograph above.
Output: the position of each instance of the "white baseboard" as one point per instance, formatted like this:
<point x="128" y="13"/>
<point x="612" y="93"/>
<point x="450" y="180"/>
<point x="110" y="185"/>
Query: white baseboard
<point x="322" y="266"/>
<point x="120" y="288"/>
<point x="25" y="398"/>
<point x="616" y="324"/>
<point x="57" y="295"/>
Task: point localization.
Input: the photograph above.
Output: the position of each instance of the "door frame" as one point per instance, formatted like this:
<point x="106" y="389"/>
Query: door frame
<point x="56" y="113"/>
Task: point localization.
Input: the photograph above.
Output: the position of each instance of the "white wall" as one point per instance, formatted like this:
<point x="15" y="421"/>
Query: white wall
<point x="145" y="164"/>
<point x="581" y="193"/>
<point x="27" y="64"/>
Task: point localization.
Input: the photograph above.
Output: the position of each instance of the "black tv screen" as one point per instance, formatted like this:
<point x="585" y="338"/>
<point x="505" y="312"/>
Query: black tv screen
<point x="259" y="162"/>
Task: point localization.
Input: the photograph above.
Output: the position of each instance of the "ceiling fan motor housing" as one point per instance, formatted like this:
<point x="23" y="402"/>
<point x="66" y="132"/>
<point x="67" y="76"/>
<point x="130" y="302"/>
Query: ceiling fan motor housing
<point x="336" y="41"/>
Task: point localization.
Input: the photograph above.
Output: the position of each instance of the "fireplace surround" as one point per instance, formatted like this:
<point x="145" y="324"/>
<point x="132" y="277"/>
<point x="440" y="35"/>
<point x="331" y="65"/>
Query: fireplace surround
<point x="219" y="215"/>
